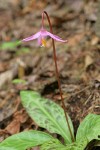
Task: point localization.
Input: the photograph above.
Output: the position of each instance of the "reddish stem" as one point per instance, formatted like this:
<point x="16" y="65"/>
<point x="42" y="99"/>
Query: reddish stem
<point x="42" y="20"/>
<point x="57" y="73"/>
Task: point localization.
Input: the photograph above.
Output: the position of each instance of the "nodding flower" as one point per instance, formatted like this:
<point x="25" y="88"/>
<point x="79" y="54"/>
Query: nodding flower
<point x="41" y="36"/>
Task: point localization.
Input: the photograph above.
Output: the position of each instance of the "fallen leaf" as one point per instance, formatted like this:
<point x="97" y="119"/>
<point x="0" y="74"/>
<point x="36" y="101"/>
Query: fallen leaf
<point x="13" y="127"/>
<point x="88" y="61"/>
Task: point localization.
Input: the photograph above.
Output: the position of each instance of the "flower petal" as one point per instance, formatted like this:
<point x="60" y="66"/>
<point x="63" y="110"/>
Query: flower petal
<point x="55" y="37"/>
<point x="35" y="36"/>
<point x="39" y="40"/>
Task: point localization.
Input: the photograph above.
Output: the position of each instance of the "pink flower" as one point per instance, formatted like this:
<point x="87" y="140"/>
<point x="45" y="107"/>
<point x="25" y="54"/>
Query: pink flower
<point x="41" y="35"/>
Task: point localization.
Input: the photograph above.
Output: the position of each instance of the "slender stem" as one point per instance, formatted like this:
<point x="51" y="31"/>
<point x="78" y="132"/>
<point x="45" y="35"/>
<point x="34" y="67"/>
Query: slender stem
<point x="57" y="74"/>
<point x="42" y="20"/>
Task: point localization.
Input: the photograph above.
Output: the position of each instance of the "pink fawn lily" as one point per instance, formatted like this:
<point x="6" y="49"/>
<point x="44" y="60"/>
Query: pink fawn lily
<point x="41" y="35"/>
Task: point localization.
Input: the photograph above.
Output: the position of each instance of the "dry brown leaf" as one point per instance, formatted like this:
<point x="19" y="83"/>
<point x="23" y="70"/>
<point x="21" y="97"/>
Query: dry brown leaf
<point x="88" y="61"/>
<point x="8" y="75"/>
<point x="21" y="116"/>
<point x="13" y="127"/>
<point x="8" y="106"/>
<point x="73" y="41"/>
<point x="94" y="40"/>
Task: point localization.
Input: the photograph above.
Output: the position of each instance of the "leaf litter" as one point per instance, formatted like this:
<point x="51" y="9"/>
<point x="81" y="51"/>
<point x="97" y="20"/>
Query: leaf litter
<point x="78" y="60"/>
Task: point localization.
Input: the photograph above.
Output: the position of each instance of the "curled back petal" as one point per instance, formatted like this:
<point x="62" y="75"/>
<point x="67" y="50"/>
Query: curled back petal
<point x="57" y="38"/>
<point x="35" y="36"/>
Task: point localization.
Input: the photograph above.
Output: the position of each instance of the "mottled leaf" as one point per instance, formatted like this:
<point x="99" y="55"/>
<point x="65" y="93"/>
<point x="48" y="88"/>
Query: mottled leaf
<point x="24" y="140"/>
<point x="6" y="148"/>
<point x="52" y="145"/>
<point x="57" y="145"/>
<point x="89" y="128"/>
<point x="46" y="114"/>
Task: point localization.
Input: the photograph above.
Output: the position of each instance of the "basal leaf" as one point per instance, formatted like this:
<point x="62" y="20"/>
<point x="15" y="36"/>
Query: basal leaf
<point x="46" y="114"/>
<point x="89" y="128"/>
<point x="24" y="140"/>
<point x="52" y="145"/>
<point x="80" y="145"/>
<point x="57" y="145"/>
<point x="6" y="148"/>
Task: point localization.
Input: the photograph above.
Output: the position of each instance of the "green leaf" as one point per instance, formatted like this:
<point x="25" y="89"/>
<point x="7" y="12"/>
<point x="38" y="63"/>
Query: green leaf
<point x="17" y="81"/>
<point x="52" y="145"/>
<point x="89" y="128"/>
<point x="6" y="148"/>
<point x="9" y="45"/>
<point x="46" y="114"/>
<point x="80" y="145"/>
<point x="57" y="145"/>
<point x="24" y="140"/>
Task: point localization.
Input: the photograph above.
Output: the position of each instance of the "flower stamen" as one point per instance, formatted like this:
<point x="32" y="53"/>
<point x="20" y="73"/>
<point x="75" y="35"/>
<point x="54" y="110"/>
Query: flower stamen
<point x="43" y="41"/>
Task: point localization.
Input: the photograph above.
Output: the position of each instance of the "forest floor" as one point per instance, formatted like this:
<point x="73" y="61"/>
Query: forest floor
<point x="78" y="60"/>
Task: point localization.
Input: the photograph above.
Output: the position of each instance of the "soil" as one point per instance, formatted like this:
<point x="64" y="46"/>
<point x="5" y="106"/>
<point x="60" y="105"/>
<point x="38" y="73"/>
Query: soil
<point x="78" y="60"/>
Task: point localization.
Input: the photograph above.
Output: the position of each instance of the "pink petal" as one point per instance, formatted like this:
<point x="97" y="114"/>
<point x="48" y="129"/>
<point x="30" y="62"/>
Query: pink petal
<point x="35" y="36"/>
<point x="39" y="40"/>
<point x="57" y="38"/>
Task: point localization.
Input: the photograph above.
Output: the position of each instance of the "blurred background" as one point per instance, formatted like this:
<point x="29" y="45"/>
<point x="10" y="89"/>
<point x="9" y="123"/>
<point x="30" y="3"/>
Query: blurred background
<point x="28" y="66"/>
